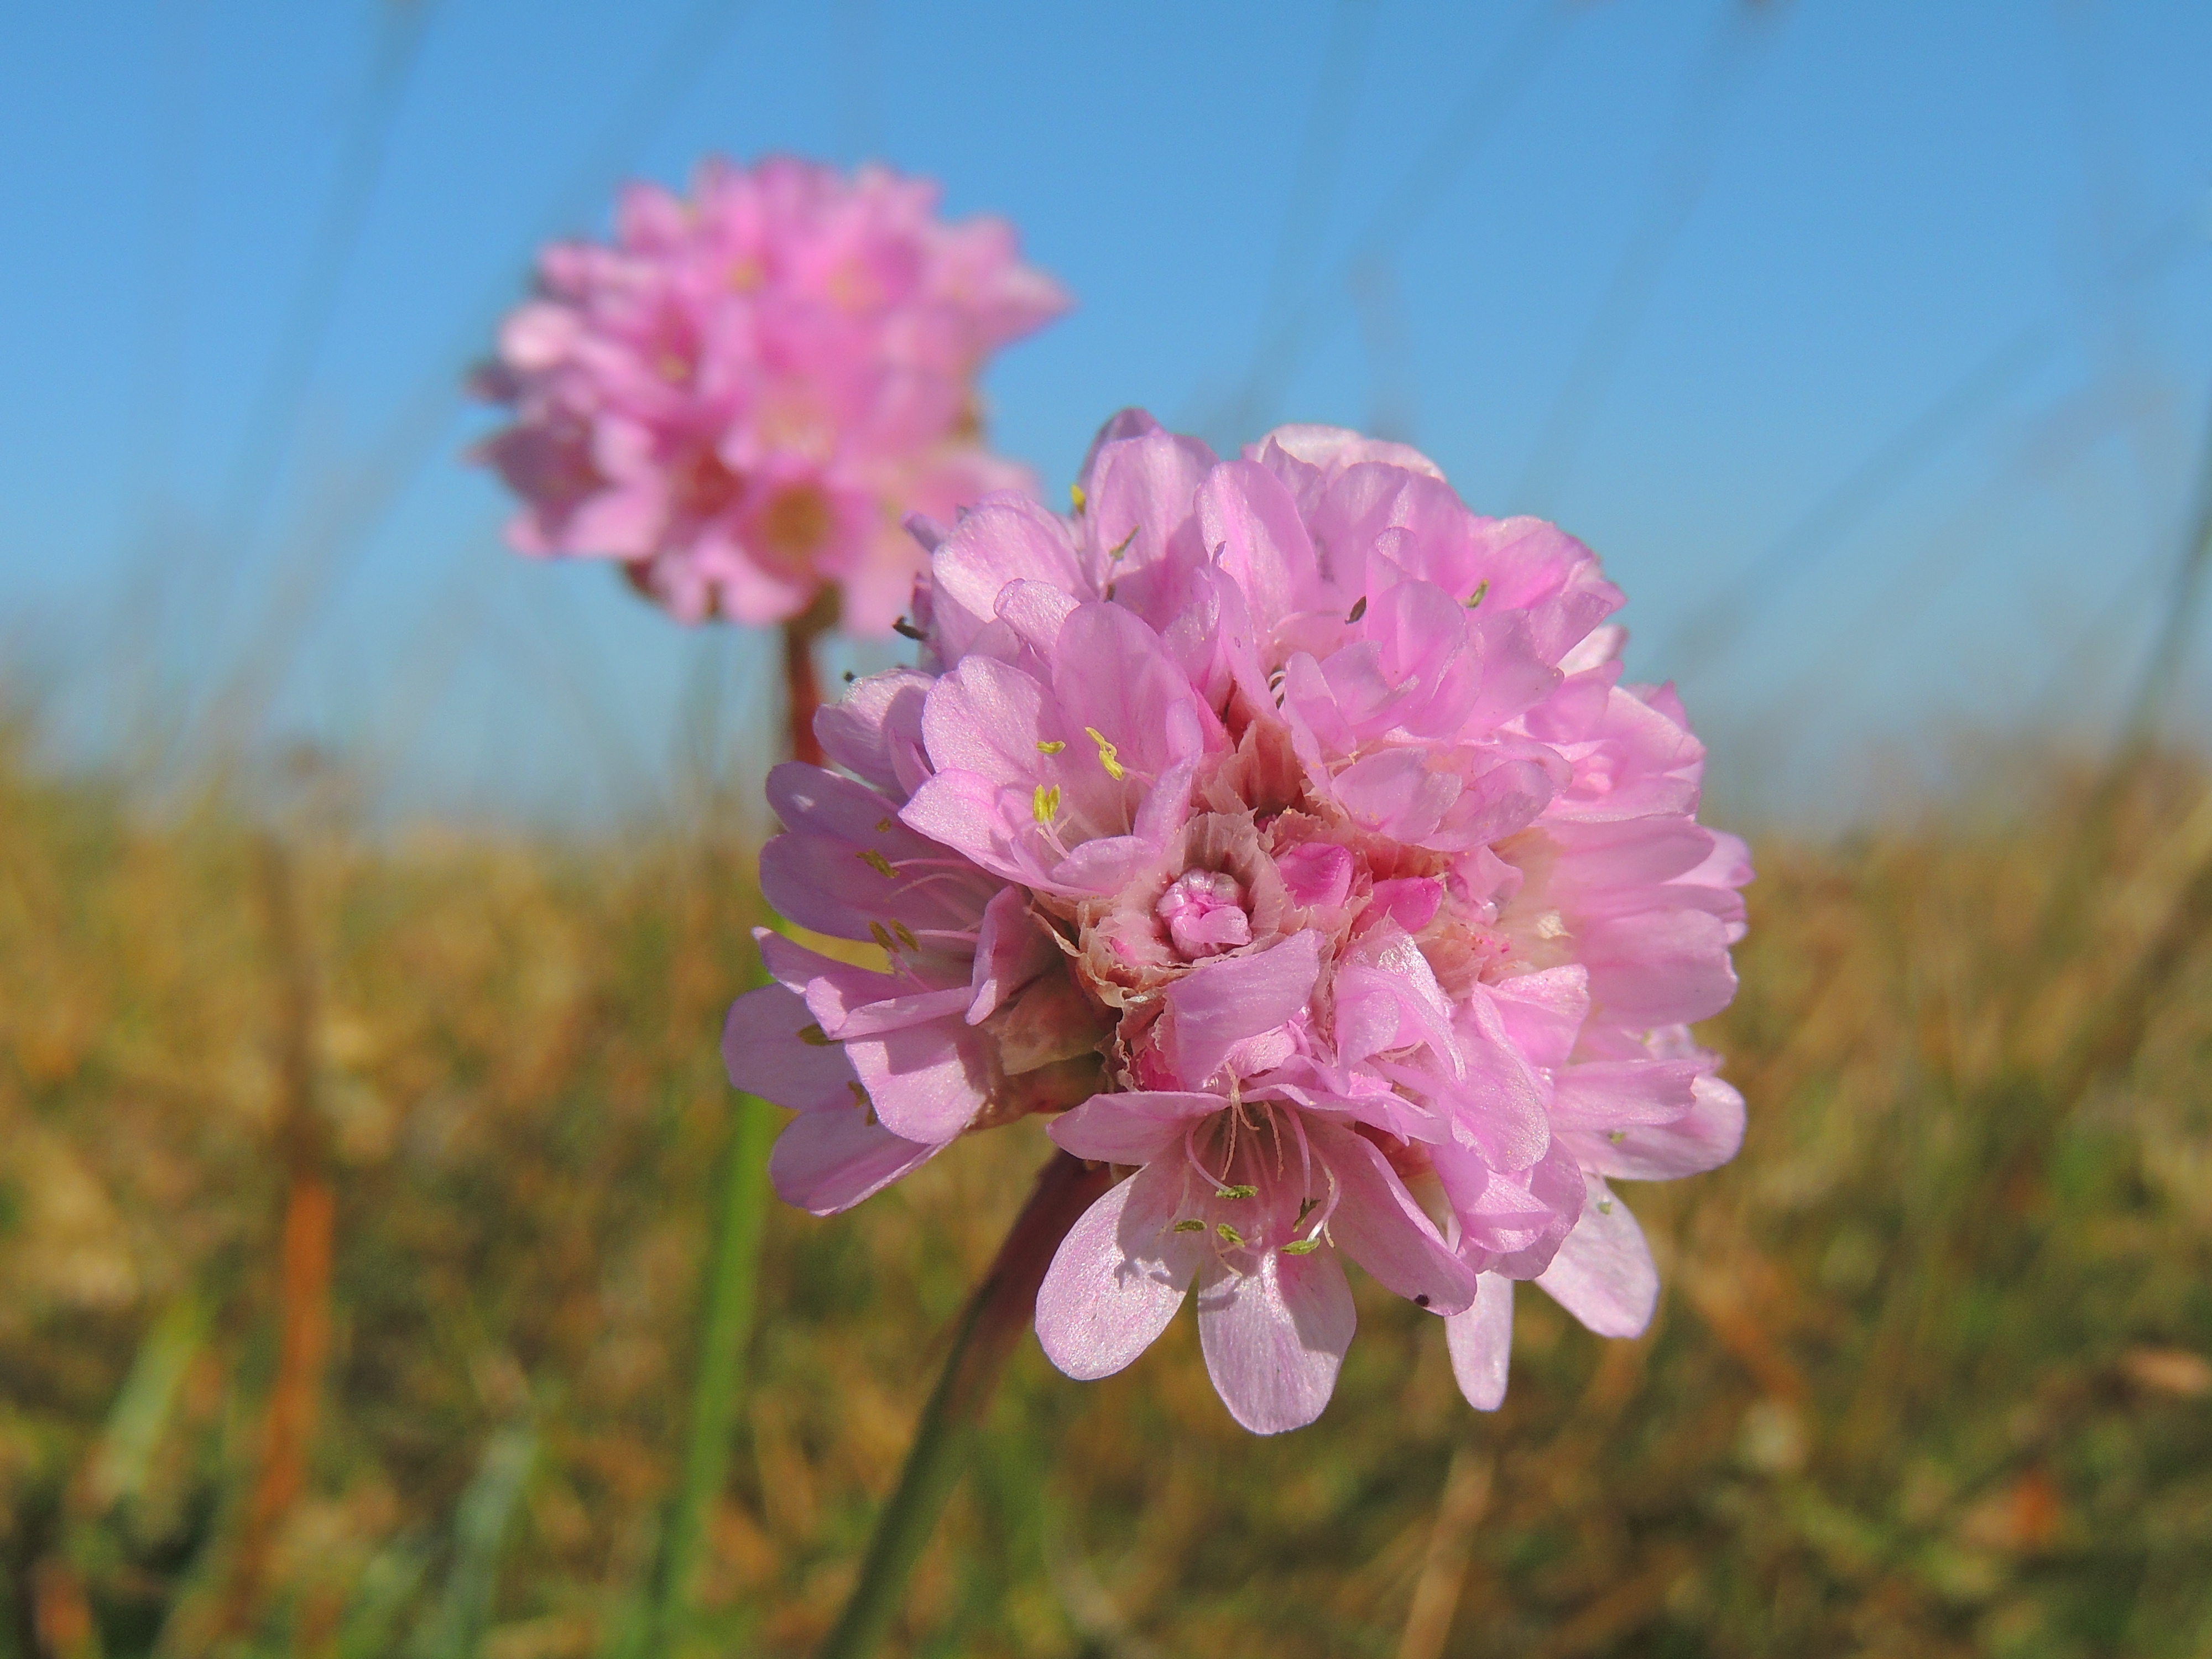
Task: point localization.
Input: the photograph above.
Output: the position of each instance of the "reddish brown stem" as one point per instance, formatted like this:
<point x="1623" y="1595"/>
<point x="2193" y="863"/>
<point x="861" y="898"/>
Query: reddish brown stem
<point x="1006" y="1300"/>
<point x="802" y="691"/>
<point x="1003" y="1306"/>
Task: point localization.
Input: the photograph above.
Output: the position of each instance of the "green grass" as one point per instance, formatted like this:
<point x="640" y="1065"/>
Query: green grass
<point x="1928" y="1374"/>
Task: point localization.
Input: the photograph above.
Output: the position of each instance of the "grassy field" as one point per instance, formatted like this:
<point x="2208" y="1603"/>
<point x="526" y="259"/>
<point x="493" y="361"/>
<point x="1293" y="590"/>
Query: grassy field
<point x="1930" y="1374"/>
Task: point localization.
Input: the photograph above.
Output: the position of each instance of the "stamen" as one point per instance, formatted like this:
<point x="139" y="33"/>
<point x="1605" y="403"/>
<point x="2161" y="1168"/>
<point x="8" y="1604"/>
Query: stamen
<point x="1188" y="1225"/>
<point x="815" y="1037"/>
<point x="1051" y="747"/>
<point x="882" y="936"/>
<point x="1481" y="591"/>
<point x="877" y="862"/>
<point x="1358" y="610"/>
<point x="1242" y="1190"/>
<point x="1228" y="1234"/>
<point x="1108" y="756"/>
<point x="1044" y="804"/>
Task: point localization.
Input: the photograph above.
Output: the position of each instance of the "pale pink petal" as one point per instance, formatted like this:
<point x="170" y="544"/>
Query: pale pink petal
<point x="1132" y="1126"/>
<point x="926" y="1081"/>
<point x="765" y="1055"/>
<point x="1220" y="1004"/>
<point x="1603" y="1273"/>
<point x="825" y="1162"/>
<point x="1116" y="1279"/>
<point x="1274" y="1339"/>
<point x="1378" y="1225"/>
<point x="1706" y="1137"/>
<point x="1481" y="1342"/>
<point x="1012" y="948"/>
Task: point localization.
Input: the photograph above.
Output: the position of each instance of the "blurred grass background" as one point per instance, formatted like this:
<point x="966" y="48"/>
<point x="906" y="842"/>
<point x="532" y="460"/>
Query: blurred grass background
<point x="1928" y="1376"/>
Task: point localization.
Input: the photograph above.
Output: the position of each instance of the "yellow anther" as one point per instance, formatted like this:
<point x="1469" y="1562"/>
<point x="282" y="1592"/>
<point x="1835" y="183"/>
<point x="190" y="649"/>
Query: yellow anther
<point x="1190" y="1226"/>
<point x="881" y="935"/>
<point x="1302" y="1246"/>
<point x="1049" y="747"/>
<point x="884" y="826"/>
<point x="1044" y="804"/>
<point x="1075" y="494"/>
<point x="1239" y="1191"/>
<point x="1108" y="756"/>
<point x="877" y="862"/>
<point x="814" y="1037"/>
<point x="1481" y="590"/>
<point x="906" y="936"/>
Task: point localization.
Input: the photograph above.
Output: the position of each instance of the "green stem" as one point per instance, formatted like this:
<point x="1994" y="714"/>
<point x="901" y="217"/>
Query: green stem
<point x="725" y="1328"/>
<point x="726" y="1322"/>
<point x="1002" y="1307"/>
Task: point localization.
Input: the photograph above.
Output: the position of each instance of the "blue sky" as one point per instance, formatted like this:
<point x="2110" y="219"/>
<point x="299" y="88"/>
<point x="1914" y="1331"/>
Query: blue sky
<point x="1869" y="341"/>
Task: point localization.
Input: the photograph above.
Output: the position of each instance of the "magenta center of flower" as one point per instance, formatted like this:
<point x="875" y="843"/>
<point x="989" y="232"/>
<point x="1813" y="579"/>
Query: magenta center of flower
<point x="1204" y="911"/>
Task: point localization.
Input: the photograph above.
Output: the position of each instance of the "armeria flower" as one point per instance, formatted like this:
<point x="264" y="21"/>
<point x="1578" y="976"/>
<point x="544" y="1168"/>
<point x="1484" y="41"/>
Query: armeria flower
<point x="741" y="397"/>
<point x="1282" y="828"/>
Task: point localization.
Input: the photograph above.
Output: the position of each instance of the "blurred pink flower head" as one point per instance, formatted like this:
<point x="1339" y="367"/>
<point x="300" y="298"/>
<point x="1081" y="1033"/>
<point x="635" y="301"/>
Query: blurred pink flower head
<point x="1284" y="829"/>
<point x="742" y="396"/>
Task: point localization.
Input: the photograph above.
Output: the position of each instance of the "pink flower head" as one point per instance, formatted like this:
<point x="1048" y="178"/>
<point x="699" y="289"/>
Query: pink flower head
<point x="1284" y="829"/>
<point x="743" y="395"/>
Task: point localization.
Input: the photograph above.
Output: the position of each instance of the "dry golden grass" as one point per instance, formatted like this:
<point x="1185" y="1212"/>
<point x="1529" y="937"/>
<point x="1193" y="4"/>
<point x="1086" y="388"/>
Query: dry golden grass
<point x="1930" y="1374"/>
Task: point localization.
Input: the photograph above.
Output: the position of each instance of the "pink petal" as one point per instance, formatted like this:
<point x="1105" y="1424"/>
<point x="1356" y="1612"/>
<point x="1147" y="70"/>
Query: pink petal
<point x="1116" y="1279"/>
<point x="927" y="1081"/>
<point x="1111" y="674"/>
<point x="1005" y="539"/>
<point x="1542" y="1013"/>
<point x="1377" y="1224"/>
<point x="1603" y="1275"/>
<point x="1274" y="1339"/>
<point x="878" y="718"/>
<point x="766" y="1056"/>
<point x="1012" y="948"/>
<point x="1220" y="1004"/>
<point x="1249" y="519"/>
<point x="1480" y="1341"/>
<point x="1134" y="1126"/>
<point x="1706" y="1137"/>
<point x="1318" y="874"/>
<point x="1611" y="1094"/>
<point x="825" y="1162"/>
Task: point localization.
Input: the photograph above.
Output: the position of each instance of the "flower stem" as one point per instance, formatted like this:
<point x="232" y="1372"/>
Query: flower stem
<point x="732" y="1291"/>
<point x="1000" y="1308"/>
<point x="802" y="689"/>
<point x="725" y="1328"/>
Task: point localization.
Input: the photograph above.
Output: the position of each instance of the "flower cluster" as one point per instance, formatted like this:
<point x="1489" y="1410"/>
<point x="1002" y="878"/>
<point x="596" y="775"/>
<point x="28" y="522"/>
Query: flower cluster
<point x="1282" y="826"/>
<point x="741" y="397"/>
